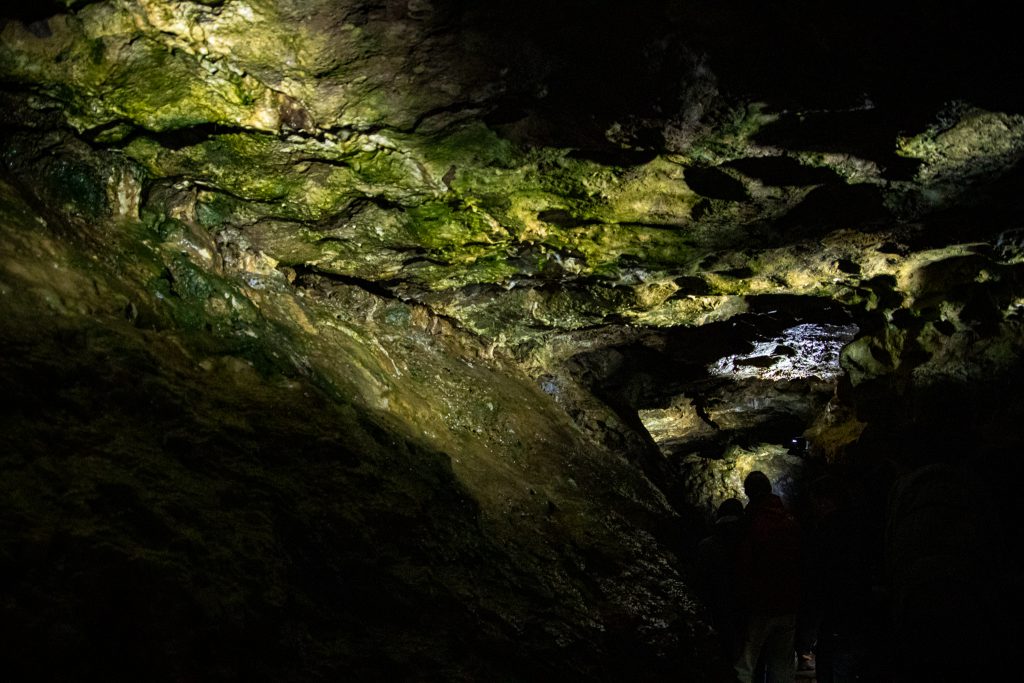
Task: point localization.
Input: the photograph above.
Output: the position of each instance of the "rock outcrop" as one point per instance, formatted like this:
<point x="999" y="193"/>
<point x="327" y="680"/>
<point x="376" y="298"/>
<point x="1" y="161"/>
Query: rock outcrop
<point x="415" y="340"/>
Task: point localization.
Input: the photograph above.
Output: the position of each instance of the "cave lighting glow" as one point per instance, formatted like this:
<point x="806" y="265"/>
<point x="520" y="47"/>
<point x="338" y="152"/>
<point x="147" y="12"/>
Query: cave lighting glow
<point x="800" y="352"/>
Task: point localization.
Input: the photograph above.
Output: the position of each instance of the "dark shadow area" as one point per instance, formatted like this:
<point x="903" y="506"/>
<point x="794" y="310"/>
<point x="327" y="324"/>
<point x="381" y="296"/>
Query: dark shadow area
<point x="829" y="207"/>
<point x="880" y="68"/>
<point x="168" y="524"/>
<point x="715" y="183"/>
<point x="579" y="66"/>
<point x="35" y="12"/>
<point x="985" y="208"/>
<point x="864" y="133"/>
<point x="783" y="171"/>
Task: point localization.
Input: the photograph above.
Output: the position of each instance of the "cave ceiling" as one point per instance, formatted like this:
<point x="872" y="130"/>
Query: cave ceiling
<point x="417" y="339"/>
<point x="715" y="195"/>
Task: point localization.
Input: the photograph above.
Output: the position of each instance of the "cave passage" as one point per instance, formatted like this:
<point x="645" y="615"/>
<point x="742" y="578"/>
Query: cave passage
<point x="425" y="340"/>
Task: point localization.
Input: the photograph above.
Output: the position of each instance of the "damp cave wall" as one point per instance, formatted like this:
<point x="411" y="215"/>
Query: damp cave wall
<point x="398" y="258"/>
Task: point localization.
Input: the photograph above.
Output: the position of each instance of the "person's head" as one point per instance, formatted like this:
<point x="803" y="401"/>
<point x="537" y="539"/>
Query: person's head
<point x="731" y="507"/>
<point x="757" y="485"/>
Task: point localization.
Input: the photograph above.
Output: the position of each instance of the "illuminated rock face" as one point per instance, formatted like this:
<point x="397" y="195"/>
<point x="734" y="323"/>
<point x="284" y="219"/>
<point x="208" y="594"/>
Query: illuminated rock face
<point x="800" y="352"/>
<point x="417" y="338"/>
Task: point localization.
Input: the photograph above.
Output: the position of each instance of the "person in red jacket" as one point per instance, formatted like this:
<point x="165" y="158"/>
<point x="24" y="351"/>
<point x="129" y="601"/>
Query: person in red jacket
<point x="768" y="583"/>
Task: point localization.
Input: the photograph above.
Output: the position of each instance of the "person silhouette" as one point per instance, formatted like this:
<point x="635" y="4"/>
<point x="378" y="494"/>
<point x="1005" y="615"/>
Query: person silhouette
<point x="943" y="560"/>
<point x="716" y="574"/>
<point x="768" y="583"/>
<point x="840" y="587"/>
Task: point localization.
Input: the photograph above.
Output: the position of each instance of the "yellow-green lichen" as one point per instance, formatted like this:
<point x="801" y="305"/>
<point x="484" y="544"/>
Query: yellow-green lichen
<point x="966" y="142"/>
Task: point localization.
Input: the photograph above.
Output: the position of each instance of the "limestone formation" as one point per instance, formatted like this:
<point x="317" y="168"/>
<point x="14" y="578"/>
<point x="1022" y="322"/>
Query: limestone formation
<point x="418" y="340"/>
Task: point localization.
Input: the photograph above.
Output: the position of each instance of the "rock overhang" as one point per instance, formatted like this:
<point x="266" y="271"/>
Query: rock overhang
<point x="602" y="199"/>
<point x="411" y="148"/>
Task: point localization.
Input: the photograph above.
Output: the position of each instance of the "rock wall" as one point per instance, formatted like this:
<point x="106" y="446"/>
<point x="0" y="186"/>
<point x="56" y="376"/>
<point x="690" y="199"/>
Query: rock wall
<point x="417" y="339"/>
